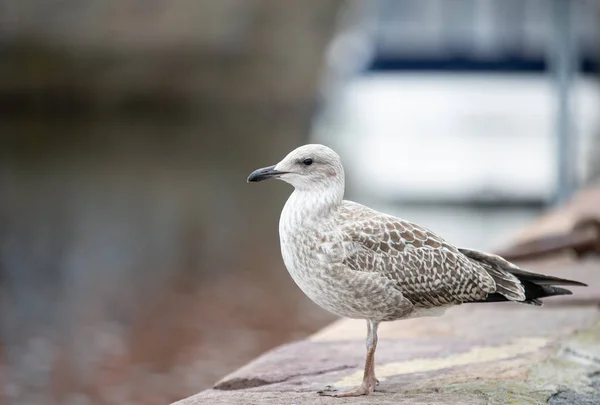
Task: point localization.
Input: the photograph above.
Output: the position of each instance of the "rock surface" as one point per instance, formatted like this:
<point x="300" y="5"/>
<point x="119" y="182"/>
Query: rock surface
<point x="503" y="353"/>
<point x="474" y="354"/>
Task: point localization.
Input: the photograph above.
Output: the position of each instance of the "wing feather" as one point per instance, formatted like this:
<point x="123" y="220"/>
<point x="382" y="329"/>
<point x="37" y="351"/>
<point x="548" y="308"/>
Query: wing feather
<point x="426" y="269"/>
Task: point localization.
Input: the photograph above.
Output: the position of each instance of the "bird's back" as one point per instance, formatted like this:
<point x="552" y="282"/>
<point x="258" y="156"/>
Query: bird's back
<point x="428" y="270"/>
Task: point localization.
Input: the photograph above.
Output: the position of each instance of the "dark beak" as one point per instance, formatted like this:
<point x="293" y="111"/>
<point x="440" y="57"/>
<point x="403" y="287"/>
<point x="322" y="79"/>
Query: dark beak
<point x="264" y="174"/>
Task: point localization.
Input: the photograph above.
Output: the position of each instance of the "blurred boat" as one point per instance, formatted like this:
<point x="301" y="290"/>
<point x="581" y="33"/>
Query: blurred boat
<point x="457" y="106"/>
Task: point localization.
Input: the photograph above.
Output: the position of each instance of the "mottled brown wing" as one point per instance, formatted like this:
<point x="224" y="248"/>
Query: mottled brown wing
<point x="427" y="270"/>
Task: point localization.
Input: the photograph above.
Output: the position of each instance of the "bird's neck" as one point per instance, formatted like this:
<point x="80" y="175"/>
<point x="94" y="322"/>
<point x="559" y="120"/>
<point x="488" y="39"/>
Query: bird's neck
<point x="311" y="206"/>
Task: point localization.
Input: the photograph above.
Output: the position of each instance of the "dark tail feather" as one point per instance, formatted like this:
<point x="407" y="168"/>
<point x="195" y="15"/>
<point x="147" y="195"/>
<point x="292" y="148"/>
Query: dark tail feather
<point x="536" y="285"/>
<point x="533" y="293"/>
<point x="542" y="279"/>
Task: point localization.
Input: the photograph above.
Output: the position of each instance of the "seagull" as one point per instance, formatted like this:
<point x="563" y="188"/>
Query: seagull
<point x="356" y="262"/>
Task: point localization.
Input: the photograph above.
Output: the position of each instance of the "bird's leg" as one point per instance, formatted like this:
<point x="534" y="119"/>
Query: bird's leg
<point x="371" y="343"/>
<point x="369" y="381"/>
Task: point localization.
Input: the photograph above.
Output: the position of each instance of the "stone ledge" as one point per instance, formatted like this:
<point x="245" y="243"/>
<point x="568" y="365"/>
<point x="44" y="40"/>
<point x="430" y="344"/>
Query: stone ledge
<point x="474" y="354"/>
<point x="492" y="355"/>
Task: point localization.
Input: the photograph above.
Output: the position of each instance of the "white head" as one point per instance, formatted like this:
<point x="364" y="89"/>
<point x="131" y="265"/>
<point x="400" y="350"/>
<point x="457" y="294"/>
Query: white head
<point x="309" y="167"/>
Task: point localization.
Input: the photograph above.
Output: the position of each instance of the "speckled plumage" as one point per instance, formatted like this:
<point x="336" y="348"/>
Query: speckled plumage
<point x="357" y="262"/>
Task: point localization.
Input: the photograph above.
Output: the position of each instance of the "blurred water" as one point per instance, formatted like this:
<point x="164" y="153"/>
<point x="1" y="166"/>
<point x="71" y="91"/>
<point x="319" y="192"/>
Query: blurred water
<point x="136" y="270"/>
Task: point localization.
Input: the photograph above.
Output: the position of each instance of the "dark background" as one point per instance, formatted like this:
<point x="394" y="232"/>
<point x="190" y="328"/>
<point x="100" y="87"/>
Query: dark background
<point x="136" y="264"/>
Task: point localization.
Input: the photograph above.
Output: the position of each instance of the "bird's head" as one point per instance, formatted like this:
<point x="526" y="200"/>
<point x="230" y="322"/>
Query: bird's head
<point x="308" y="167"/>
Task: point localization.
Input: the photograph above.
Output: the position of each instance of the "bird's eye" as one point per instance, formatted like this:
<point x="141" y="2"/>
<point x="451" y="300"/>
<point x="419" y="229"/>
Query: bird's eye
<point x="307" y="161"/>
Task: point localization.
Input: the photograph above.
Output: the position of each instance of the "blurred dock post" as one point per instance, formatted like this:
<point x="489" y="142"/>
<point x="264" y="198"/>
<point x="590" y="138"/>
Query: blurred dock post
<point x="563" y="64"/>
